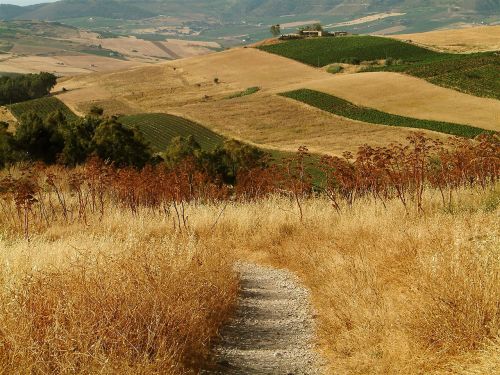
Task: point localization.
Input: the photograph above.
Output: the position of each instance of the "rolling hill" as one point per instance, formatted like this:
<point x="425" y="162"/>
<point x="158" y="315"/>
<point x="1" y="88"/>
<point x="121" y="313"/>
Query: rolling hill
<point x="199" y="89"/>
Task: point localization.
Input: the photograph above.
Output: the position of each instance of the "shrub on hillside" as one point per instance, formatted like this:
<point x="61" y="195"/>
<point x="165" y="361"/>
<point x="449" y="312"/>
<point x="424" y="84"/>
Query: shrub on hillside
<point x="334" y="69"/>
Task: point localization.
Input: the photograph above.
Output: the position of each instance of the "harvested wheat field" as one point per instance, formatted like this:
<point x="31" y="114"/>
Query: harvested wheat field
<point x="189" y="80"/>
<point x="65" y="65"/>
<point x="274" y="122"/>
<point x="412" y="97"/>
<point x="470" y="39"/>
<point x="370" y="18"/>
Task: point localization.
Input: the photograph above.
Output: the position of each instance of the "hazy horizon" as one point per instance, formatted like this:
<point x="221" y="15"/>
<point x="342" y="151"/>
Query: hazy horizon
<point x="26" y="2"/>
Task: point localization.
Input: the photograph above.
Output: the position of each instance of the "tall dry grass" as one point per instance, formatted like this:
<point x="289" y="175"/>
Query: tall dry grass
<point x="121" y="295"/>
<point x="396" y="290"/>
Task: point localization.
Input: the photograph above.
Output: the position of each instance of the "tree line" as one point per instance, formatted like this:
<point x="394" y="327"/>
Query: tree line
<point x="25" y="87"/>
<point x="55" y="140"/>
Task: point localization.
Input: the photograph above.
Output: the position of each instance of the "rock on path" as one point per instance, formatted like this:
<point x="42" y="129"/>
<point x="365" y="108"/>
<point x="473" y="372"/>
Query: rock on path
<point x="272" y="330"/>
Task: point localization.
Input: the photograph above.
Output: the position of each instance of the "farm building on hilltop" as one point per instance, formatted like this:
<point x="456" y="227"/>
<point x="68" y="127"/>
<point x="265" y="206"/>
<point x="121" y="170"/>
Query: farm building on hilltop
<point x="339" y="33"/>
<point x="312" y="33"/>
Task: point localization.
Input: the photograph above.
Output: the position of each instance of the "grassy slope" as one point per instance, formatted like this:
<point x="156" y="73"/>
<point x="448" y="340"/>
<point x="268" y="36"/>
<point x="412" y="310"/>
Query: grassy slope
<point x="43" y="107"/>
<point x="160" y="128"/>
<point x="344" y="108"/>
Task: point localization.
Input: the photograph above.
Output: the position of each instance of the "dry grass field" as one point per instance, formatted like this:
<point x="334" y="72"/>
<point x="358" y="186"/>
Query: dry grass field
<point x="109" y="295"/>
<point x="7" y="116"/>
<point x="187" y="87"/>
<point x="65" y="65"/>
<point x="395" y="291"/>
<point x="275" y="122"/>
<point x="470" y="39"/>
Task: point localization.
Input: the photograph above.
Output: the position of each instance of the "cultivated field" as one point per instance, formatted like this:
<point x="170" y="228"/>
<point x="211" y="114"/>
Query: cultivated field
<point x="470" y="73"/>
<point x="371" y="18"/>
<point x="470" y="39"/>
<point x="67" y="51"/>
<point x="274" y="122"/>
<point x="65" y="65"/>
<point x="41" y="107"/>
<point x="159" y="129"/>
<point x="323" y="51"/>
<point x="347" y="109"/>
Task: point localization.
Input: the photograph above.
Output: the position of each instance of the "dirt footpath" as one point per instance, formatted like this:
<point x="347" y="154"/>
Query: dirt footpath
<point x="272" y="330"/>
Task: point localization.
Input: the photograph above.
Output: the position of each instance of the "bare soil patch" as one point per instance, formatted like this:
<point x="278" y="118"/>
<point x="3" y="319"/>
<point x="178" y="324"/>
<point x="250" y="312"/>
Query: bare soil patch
<point x="370" y="18"/>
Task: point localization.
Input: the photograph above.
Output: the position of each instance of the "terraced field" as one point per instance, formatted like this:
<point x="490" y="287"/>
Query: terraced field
<point x="43" y="107"/>
<point x="320" y="52"/>
<point x="159" y="129"/>
<point x="344" y="108"/>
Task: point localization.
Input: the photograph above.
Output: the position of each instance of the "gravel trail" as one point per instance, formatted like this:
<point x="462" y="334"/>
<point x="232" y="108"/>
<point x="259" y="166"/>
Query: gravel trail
<point x="272" y="330"/>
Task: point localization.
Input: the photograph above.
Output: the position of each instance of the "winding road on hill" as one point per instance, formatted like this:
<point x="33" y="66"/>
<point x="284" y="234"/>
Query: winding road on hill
<point x="273" y="328"/>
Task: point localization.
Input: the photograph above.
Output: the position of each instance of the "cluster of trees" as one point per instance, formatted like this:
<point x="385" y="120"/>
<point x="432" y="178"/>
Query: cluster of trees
<point x="57" y="140"/>
<point x="25" y="87"/>
<point x="313" y="27"/>
<point x="223" y="163"/>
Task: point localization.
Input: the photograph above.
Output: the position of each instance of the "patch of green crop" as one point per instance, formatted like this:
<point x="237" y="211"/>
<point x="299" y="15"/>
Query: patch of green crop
<point x="347" y="109"/>
<point x="160" y="128"/>
<point x="249" y="91"/>
<point x="324" y="51"/>
<point x="103" y="52"/>
<point x="334" y="69"/>
<point x="42" y="107"/>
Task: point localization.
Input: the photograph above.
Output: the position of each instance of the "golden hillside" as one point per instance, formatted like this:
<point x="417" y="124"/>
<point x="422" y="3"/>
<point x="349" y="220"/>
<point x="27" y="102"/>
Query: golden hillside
<point x="198" y="88"/>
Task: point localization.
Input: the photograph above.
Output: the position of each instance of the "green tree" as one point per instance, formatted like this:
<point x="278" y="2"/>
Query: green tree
<point x="125" y="147"/>
<point x="7" y="146"/>
<point x="275" y="30"/>
<point x="25" y="87"/>
<point x="38" y="140"/>
<point x="78" y="138"/>
<point x="232" y="157"/>
<point x="181" y="148"/>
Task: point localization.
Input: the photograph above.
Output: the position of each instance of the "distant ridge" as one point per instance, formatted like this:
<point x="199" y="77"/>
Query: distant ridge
<point x="229" y="9"/>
